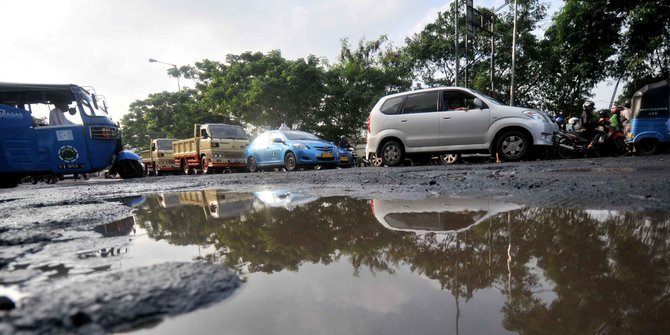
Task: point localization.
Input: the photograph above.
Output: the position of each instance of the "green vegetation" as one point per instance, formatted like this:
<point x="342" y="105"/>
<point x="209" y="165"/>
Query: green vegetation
<point x="559" y="61"/>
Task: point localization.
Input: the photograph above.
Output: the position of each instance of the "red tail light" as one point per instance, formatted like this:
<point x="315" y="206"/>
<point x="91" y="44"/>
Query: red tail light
<point x="369" y="124"/>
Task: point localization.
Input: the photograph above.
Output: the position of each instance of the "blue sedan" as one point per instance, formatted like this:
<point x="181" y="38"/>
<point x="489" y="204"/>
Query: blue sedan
<point x="290" y="149"/>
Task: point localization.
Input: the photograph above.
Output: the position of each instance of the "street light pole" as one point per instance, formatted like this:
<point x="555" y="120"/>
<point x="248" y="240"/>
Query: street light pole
<point x="511" y="88"/>
<point x="151" y="60"/>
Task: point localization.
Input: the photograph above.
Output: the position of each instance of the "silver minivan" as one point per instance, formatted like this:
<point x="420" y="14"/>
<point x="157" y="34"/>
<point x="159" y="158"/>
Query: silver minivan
<point x="453" y="120"/>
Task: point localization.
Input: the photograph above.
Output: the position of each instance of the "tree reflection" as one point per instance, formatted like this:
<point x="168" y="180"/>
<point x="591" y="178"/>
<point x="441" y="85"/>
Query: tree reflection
<point x="570" y="271"/>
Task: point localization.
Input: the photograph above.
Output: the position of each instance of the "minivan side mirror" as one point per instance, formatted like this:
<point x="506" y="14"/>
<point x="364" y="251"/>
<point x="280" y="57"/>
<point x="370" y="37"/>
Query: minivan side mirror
<point x="478" y="102"/>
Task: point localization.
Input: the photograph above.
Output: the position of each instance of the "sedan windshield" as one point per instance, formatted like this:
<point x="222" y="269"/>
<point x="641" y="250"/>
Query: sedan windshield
<point x="299" y="135"/>
<point x="227" y="131"/>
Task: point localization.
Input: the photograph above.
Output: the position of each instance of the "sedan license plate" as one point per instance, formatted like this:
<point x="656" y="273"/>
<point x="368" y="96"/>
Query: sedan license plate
<point x="327" y="155"/>
<point x="344" y="159"/>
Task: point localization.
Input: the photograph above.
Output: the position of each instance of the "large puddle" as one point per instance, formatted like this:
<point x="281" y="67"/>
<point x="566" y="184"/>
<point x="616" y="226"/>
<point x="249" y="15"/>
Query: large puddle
<point x="337" y="265"/>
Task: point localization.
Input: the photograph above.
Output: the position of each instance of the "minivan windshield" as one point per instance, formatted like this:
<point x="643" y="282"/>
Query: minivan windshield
<point x="491" y="99"/>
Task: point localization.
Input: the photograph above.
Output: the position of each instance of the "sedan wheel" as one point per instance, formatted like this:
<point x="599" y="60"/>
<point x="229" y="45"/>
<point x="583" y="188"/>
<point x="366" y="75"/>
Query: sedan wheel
<point x="375" y="161"/>
<point x="289" y="162"/>
<point x="392" y="153"/>
<point x="512" y="146"/>
<point x="448" y="159"/>
<point x="251" y="165"/>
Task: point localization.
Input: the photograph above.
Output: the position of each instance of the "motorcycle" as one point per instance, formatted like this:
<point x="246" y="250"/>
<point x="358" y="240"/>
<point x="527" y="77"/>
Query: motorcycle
<point x="611" y="142"/>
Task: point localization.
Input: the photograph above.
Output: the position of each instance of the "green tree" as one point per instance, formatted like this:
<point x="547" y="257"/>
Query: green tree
<point x="577" y="50"/>
<point x="355" y="83"/>
<point x="264" y="90"/>
<point x="432" y="53"/>
<point x="167" y="115"/>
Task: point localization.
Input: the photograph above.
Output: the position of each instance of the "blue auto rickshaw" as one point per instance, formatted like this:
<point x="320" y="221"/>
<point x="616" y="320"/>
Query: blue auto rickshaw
<point x="650" y="119"/>
<point x="30" y="150"/>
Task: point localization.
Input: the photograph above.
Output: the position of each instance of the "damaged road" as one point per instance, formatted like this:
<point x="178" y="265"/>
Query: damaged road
<point x="42" y="225"/>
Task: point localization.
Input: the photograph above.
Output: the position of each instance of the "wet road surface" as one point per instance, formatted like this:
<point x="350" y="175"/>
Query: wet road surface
<point x="487" y="248"/>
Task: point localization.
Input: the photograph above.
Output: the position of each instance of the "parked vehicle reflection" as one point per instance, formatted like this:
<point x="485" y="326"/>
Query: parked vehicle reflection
<point x="437" y="214"/>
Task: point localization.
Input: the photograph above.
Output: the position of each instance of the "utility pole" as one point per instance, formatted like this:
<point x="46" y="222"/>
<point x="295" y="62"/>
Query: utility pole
<point x="511" y="88"/>
<point x="493" y="62"/>
<point x="456" y="41"/>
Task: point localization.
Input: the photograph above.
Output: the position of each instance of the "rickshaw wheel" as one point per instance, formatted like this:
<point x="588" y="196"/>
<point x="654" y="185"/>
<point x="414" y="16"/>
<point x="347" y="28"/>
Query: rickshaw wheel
<point x="646" y="147"/>
<point x="9" y="182"/>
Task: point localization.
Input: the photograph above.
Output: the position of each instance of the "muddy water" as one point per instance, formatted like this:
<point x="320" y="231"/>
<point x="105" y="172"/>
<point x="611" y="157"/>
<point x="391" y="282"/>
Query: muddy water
<point x="337" y="265"/>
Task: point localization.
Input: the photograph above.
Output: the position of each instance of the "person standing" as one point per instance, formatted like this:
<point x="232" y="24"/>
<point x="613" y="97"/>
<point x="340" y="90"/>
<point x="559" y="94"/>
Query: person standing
<point x="615" y="121"/>
<point x="626" y="116"/>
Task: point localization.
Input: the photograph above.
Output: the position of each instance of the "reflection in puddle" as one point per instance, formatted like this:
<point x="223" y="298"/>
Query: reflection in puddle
<point x="117" y="228"/>
<point x="340" y="265"/>
<point x="437" y="215"/>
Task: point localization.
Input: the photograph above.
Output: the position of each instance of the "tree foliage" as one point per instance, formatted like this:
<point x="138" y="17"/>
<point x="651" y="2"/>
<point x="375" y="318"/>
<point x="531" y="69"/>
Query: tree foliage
<point x="556" y="69"/>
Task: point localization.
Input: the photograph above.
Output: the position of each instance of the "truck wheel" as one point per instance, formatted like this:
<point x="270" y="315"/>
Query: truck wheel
<point x="185" y="168"/>
<point x="205" y="165"/>
<point x="251" y="165"/>
<point x="290" y="163"/>
<point x="512" y="145"/>
<point x="130" y="169"/>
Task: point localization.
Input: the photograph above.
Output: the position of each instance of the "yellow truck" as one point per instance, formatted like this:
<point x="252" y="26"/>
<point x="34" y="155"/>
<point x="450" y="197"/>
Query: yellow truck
<point x="158" y="159"/>
<point x="215" y="147"/>
<point x="218" y="204"/>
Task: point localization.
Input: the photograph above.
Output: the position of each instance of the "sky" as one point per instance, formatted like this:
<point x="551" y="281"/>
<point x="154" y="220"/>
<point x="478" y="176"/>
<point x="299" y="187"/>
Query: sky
<point x="107" y="44"/>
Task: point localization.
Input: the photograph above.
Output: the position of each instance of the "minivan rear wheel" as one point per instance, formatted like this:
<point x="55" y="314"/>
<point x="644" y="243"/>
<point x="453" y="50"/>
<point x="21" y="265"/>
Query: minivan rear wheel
<point x="512" y="145"/>
<point x="392" y="153"/>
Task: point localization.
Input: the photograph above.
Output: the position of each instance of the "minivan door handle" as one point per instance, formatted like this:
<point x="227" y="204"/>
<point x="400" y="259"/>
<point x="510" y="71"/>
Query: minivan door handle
<point x="447" y="117"/>
<point x="403" y="120"/>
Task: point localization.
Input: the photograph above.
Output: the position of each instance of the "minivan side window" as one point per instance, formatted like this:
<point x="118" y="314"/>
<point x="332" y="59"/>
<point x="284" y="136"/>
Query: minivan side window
<point x="458" y="100"/>
<point x="391" y="106"/>
<point x="421" y="103"/>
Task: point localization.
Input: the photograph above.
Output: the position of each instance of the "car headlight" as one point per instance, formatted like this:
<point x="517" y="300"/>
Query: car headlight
<point x="536" y="115"/>
<point x="300" y="146"/>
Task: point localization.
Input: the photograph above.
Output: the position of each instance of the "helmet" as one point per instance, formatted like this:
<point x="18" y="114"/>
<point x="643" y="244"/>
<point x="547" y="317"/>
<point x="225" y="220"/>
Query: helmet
<point x="588" y="105"/>
<point x="342" y="138"/>
<point x="603" y="113"/>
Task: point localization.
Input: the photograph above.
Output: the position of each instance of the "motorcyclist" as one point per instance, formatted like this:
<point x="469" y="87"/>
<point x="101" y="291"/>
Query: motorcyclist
<point x="598" y="135"/>
<point x="344" y="144"/>
<point x="615" y="117"/>
<point x="588" y="123"/>
<point x="560" y="120"/>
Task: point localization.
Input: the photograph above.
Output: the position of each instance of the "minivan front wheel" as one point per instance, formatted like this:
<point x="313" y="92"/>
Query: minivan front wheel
<point x="392" y="153"/>
<point x="512" y="145"/>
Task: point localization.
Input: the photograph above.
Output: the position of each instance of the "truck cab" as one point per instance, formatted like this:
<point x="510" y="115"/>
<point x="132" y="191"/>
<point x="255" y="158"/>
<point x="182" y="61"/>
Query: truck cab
<point x="215" y="147"/>
<point x="159" y="159"/>
<point x="27" y="149"/>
